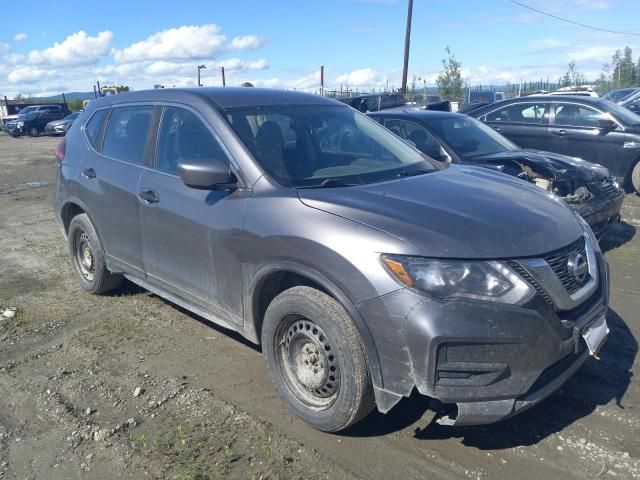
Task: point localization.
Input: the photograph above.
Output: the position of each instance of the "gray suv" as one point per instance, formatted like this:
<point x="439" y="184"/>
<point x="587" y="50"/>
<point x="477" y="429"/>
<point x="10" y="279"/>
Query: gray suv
<point x="364" y="268"/>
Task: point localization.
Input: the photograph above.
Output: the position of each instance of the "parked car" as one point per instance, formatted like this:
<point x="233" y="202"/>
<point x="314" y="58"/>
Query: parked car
<point x="62" y="126"/>
<point x="632" y="103"/>
<point x="430" y="102"/>
<point x="588" y="189"/>
<point x="33" y="121"/>
<point x="364" y="268"/>
<point x="374" y="102"/>
<point x="469" y="107"/>
<point x="484" y="96"/>
<point x="578" y="91"/>
<point x="593" y="129"/>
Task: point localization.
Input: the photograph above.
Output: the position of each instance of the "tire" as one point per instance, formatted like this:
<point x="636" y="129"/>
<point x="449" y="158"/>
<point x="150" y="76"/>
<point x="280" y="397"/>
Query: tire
<point x="316" y="360"/>
<point x="34" y="132"/>
<point x="635" y="178"/>
<point x="87" y="257"/>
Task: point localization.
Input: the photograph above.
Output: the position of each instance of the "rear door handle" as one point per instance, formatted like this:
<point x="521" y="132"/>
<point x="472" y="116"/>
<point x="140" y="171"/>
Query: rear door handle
<point x="148" y="196"/>
<point x="89" y="173"/>
<point x="497" y="129"/>
<point x="559" y="133"/>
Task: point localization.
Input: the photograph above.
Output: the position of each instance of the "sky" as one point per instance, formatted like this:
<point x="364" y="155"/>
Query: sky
<point x="67" y="45"/>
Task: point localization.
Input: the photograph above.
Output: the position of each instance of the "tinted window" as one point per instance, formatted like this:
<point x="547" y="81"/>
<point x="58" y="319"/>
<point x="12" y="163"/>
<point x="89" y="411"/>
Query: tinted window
<point x="421" y="138"/>
<point x="519" y="113"/>
<point x="92" y="129"/>
<point x="183" y="136"/>
<point x="578" y="115"/>
<point x="126" y="135"/>
<point x="328" y="143"/>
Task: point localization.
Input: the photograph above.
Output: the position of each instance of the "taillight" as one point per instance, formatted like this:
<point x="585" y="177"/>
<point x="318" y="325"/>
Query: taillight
<point x="61" y="149"/>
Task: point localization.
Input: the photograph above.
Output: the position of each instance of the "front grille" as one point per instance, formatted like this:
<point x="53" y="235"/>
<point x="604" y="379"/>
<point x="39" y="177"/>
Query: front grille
<point x="610" y="190"/>
<point x="558" y="263"/>
<point x="520" y="270"/>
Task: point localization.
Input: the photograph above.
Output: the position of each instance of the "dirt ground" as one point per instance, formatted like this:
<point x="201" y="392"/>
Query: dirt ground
<point x="130" y="386"/>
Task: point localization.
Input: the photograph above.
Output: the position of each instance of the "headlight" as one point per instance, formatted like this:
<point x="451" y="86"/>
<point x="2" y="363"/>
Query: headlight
<point x="19" y="124"/>
<point x="445" y="279"/>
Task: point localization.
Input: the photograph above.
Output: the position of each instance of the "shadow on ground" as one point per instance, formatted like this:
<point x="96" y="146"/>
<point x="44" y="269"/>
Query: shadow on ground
<point x="617" y="235"/>
<point x="596" y="383"/>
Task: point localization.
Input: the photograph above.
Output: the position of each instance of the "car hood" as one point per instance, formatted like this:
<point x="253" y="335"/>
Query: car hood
<point x="560" y="167"/>
<point x="457" y="212"/>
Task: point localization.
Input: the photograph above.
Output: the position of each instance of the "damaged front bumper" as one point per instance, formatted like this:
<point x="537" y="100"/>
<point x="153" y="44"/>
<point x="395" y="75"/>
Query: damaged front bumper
<point x="602" y="208"/>
<point x="482" y="362"/>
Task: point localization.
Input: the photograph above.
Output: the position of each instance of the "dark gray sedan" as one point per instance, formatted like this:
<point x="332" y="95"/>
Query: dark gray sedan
<point x="62" y="126"/>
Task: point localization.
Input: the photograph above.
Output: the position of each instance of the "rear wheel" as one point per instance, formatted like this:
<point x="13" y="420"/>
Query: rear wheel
<point x="34" y="132"/>
<point x="87" y="257"/>
<point x="635" y="178"/>
<point x="316" y="360"/>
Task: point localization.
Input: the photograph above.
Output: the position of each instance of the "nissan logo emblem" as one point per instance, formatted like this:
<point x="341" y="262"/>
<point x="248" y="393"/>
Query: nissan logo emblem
<point x="578" y="267"/>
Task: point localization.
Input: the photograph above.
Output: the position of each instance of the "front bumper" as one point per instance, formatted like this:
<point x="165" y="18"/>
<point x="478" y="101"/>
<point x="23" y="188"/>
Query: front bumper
<point x="600" y="211"/>
<point x="13" y="130"/>
<point x="490" y="361"/>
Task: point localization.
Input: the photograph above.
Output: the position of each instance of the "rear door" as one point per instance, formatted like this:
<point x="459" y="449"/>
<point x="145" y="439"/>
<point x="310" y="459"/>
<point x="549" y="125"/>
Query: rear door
<point x="108" y="180"/>
<point x="525" y="124"/>
<point x="574" y="132"/>
<point x="191" y="238"/>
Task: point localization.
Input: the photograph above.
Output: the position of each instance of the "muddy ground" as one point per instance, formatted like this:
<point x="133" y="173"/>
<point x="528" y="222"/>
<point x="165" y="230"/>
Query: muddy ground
<point x="130" y="386"/>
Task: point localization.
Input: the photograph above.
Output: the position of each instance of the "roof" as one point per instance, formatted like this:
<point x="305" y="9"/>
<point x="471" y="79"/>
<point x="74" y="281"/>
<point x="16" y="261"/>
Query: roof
<point x="415" y="113"/>
<point x="222" y="97"/>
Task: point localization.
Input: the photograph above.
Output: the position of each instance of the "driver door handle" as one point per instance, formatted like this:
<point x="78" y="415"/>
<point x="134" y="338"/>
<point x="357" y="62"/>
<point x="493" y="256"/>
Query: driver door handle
<point x="148" y="196"/>
<point x="560" y="133"/>
<point x="497" y="129"/>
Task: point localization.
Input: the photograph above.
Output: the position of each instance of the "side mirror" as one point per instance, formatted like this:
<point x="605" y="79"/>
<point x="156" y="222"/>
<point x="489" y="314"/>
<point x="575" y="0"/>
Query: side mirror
<point x="208" y="174"/>
<point x="607" y="125"/>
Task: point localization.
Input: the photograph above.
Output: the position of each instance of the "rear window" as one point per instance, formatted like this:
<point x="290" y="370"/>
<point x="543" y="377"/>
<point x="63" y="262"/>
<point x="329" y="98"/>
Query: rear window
<point x="126" y="135"/>
<point x="93" y="126"/>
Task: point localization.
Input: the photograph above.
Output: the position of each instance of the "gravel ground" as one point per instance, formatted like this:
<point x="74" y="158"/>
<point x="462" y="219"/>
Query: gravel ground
<point x="129" y="385"/>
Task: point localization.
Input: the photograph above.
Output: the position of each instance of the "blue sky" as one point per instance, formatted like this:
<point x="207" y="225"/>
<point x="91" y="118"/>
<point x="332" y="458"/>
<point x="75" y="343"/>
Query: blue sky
<point x="67" y="45"/>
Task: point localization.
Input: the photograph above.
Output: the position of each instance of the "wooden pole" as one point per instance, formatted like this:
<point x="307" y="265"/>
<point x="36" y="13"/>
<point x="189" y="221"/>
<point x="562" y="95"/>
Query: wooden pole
<point x="407" y="42"/>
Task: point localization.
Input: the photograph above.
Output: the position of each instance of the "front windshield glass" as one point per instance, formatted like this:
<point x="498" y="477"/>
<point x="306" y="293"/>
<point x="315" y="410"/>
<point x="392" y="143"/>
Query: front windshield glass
<point x="618" y="95"/>
<point x="26" y="110"/>
<point x="324" y="146"/>
<point x="627" y="117"/>
<point x="469" y="138"/>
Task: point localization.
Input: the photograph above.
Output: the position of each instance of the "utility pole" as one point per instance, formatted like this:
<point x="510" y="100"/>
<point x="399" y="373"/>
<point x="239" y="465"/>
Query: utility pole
<point x="200" y="67"/>
<point x="407" y="41"/>
<point x="224" y="80"/>
<point x="321" y="79"/>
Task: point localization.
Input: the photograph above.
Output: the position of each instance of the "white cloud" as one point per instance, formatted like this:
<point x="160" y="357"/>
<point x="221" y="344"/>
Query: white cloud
<point x="29" y="75"/>
<point x="592" y="4"/>
<point x="252" y="42"/>
<point x="19" y="37"/>
<point x="181" y="43"/>
<point x="77" y="49"/>
<point x="363" y="77"/>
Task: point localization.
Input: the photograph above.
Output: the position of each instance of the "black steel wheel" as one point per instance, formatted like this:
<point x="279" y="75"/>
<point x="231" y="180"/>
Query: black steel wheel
<point x="316" y="360"/>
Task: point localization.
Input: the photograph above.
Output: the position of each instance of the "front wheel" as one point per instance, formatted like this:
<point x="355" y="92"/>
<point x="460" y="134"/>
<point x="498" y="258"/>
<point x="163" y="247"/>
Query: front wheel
<point x="635" y="178"/>
<point x="316" y="360"/>
<point x="34" y="132"/>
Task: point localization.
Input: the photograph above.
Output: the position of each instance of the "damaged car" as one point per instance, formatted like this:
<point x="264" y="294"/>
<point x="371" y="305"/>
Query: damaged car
<point x="589" y="189"/>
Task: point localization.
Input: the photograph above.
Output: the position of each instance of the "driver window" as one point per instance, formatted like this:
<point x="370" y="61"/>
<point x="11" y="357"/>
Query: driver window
<point x="420" y="137"/>
<point x="183" y="136"/>
<point x="519" y="113"/>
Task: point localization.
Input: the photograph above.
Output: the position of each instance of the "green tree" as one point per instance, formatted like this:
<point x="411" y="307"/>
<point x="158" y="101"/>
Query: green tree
<point x="625" y="72"/>
<point x="603" y="83"/>
<point x="573" y="77"/>
<point x="449" y="81"/>
<point x="75" y="105"/>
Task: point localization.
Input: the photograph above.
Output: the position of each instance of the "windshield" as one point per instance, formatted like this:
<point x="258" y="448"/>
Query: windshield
<point x="627" y="117"/>
<point x="27" y="110"/>
<point x="469" y="138"/>
<point x="324" y="146"/>
<point x="618" y="95"/>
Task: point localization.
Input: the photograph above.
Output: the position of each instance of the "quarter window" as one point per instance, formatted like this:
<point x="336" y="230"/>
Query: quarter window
<point x="126" y="134"/>
<point x="578" y="115"/>
<point x="519" y="113"/>
<point x="93" y="126"/>
<point x="183" y="136"/>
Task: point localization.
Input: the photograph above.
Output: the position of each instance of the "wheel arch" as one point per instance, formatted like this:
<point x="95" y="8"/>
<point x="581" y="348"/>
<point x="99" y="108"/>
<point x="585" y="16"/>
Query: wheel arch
<point x="272" y="279"/>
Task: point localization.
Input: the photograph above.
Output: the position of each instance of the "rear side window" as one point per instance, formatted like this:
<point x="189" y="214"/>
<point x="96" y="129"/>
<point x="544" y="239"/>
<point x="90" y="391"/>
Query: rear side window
<point x="93" y="126"/>
<point x="126" y="135"/>
<point x="578" y="115"/>
<point x="183" y="136"/>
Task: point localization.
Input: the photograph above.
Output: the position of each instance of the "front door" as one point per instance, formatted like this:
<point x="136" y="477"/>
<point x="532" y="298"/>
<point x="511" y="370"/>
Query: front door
<point x="191" y="238"/>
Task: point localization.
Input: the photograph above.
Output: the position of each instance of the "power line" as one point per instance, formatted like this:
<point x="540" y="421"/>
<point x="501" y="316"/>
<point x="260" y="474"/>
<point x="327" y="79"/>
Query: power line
<point x="572" y="22"/>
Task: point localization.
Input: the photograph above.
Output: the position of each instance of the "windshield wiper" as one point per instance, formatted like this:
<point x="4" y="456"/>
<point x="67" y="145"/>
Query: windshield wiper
<point x="411" y="173"/>
<point x="330" y="183"/>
